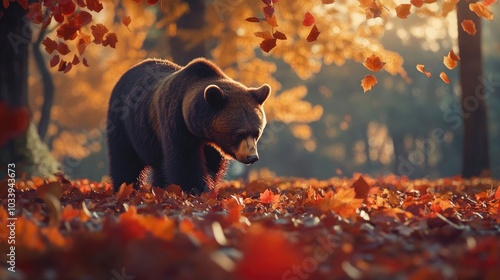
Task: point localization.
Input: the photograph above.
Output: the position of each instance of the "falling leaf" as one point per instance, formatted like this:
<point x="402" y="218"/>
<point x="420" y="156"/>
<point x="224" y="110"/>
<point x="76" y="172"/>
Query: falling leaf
<point x="252" y="19"/>
<point x="368" y="82"/>
<point x="63" y="49"/>
<point x="268" y="44"/>
<point x="417" y="3"/>
<point x="83" y="42"/>
<point x="450" y="61"/>
<point x="76" y="60"/>
<point x="308" y="19"/>
<point x="110" y="40"/>
<point x="278" y="35"/>
<point x="313" y="34"/>
<point x="264" y="34"/>
<point x="94" y="5"/>
<point x="82" y="18"/>
<point x="98" y="31"/>
<point x="373" y="63"/>
<point x="481" y="10"/>
<point x="373" y="10"/>
<point x="126" y="20"/>
<point x="54" y="60"/>
<point x="444" y="77"/>
<point x="67" y="7"/>
<point x="420" y="68"/>
<point x="469" y="26"/>
<point x="403" y="10"/>
<point x="272" y="21"/>
<point x="268" y="11"/>
<point x="50" y="45"/>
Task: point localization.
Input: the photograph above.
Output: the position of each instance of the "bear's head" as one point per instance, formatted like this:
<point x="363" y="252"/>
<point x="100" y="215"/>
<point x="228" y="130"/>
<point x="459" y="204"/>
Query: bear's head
<point x="233" y="118"/>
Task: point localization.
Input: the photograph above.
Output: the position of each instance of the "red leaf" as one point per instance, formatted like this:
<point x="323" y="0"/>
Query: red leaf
<point x="35" y="14"/>
<point x="126" y="21"/>
<point x="83" y="18"/>
<point x="253" y="19"/>
<point x="94" y="5"/>
<point x="417" y="3"/>
<point x="62" y="66"/>
<point x="361" y="188"/>
<point x="54" y="60"/>
<point x="368" y="82"/>
<point x="67" y="8"/>
<point x="152" y="2"/>
<point x="98" y="31"/>
<point x="403" y="10"/>
<point x="444" y="77"/>
<point x="268" y="44"/>
<point x="6" y="4"/>
<point x="81" y="3"/>
<point x="76" y="60"/>
<point x="308" y="19"/>
<point x="59" y="18"/>
<point x="67" y="31"/>
<point x="63" y="48"/>
<point x="110" y="40"/>
<point x="84" y="61"/>
<point x="280" y="36"/>
<point x="268" y="11"/>
<point x="313" y="34"/>
<point x="420" y="68"/>
<point x="50" y="45"/>
<point x="269" y="197"/>
<point x="469" y="26"/>
<point x="264" y="34"/>
<point x="83" y="43"/>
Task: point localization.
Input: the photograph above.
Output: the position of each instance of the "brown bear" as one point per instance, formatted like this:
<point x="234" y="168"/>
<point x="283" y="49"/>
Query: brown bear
<point x="183" y="122"/>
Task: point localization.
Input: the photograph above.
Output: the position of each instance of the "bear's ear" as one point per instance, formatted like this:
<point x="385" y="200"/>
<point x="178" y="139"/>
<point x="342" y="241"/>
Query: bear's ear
<point x="214" y="96"/>
<point x="261" y="94"/>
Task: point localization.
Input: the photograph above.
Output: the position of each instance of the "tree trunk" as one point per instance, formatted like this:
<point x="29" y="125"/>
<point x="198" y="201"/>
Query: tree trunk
<point x="48" y="87"/>
<point x="193" y="19"/>
<point x="27" y="152"/>
<point x="476" y="160"/>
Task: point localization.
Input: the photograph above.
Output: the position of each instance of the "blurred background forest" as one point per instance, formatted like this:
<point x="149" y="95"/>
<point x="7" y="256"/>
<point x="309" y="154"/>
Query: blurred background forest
<point x="321" y="123"/>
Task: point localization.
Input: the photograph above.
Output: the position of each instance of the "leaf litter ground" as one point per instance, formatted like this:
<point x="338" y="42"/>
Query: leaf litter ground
<point x="282" y="228"/>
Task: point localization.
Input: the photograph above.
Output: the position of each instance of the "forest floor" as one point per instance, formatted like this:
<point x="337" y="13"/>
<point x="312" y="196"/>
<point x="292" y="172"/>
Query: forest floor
<point x="282" y="228"/>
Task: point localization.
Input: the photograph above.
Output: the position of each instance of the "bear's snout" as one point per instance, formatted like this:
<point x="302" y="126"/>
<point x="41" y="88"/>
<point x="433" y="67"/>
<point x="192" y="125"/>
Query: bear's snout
<point x="247" y="151"/>
<point x="252" y="159"/>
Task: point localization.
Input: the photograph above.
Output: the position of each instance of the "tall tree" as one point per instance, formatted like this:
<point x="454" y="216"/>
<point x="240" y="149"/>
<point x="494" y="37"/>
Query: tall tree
<point x="193" y="19"/>
<point x="476" y="159"/>
<point x="29" y="154"/>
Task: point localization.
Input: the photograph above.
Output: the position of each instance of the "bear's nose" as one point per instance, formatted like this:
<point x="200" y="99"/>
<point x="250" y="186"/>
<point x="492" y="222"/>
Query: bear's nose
<point x="252" y="159"/>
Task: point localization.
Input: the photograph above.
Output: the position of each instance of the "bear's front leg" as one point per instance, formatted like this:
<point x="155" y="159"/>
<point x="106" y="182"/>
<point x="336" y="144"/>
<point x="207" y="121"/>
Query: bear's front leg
<point x="184" y="167"/>
<point x="215" y="163"/>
